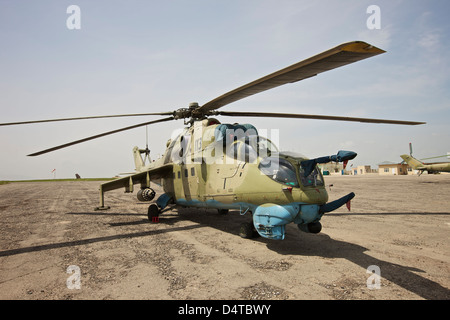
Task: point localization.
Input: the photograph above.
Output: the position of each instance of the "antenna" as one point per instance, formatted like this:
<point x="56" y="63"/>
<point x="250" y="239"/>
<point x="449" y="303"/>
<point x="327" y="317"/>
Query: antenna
<point x="147" y="150"/>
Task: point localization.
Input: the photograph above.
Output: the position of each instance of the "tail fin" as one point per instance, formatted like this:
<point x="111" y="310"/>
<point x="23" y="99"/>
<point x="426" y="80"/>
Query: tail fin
<point x="138" y="161"/>
<point x="413" y="162"/>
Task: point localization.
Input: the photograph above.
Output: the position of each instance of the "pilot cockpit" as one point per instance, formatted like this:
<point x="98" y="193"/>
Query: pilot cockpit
<point x="249" y="148"/>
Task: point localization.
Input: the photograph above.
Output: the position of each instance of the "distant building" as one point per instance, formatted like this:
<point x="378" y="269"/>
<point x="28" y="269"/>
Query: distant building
<point x="331" y="168"/>
<point x="392" y="168"/>
<point x="359" y="170"/>
<point x="384" y="168"/>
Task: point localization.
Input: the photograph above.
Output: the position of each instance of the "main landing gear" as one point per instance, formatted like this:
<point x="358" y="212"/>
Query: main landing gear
<point x="248" y="231"/>
<point x="153" y="213"/>
<point x="154" y="210"/>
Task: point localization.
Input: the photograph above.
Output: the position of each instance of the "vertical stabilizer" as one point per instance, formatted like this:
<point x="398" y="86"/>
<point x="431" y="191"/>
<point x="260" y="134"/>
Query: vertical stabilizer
<point x="138" y="161"/>
<point x="413" y="162"/>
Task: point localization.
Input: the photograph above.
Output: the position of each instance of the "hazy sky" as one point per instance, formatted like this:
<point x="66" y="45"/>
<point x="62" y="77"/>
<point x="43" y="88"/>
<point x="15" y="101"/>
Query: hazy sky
<point x="153" y="56"/>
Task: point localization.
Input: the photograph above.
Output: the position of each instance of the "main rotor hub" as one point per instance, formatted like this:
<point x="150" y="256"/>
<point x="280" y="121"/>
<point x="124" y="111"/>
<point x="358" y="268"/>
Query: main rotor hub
<point x="193" y="105"/>
<point x="192" y="113"/>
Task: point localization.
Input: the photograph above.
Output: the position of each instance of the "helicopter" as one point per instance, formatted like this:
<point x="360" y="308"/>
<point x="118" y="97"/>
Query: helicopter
<point x="420" y="166"/>
<point x="226" y="166"/>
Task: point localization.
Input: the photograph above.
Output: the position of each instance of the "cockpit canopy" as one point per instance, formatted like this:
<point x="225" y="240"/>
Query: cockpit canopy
<point x="249" y="148"/>
<point x="285" y="172"/>
<point x="273" y="164"/>
<point x="280" y="170"/>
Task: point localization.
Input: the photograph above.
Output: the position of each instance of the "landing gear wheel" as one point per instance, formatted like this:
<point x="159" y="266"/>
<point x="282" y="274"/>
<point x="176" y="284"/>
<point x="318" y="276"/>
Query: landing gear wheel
<point x="248" y="231"/>
<point x="153" y="213"/>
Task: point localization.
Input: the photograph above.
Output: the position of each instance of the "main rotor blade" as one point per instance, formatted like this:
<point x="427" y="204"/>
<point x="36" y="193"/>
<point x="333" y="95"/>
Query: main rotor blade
<point x="98" y="136"/>
<point x="91" y="117"/>
<point x="312" y="116"/>
<point x="337" y="57"/>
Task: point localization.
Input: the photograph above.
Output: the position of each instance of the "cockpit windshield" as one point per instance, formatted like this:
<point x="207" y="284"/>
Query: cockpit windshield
<point x="280" y="170"/>
<point x="314" y="179"/>
<point x="285" y="172"/>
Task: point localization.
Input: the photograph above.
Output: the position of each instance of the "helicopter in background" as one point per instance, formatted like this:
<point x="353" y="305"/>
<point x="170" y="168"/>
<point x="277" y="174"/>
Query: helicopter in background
<point x="231" y="166"/>
<point x="420" y="166"/>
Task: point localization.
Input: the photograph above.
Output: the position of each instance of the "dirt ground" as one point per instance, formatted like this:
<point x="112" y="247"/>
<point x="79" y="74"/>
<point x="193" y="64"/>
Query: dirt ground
<point x="52" y="240"/>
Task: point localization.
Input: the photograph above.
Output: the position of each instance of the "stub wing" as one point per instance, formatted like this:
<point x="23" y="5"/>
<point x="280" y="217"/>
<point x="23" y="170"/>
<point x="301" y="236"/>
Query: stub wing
<point x="143" y="178"/>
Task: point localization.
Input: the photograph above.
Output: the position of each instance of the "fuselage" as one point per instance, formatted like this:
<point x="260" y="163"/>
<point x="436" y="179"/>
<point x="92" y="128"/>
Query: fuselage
<point x="225" y="166"/>
<point x="430" y="168"/>
<point x="241" y="172"/>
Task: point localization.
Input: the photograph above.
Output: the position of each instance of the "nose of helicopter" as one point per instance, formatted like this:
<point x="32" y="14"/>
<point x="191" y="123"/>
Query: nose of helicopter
<point x="270" y="219"/>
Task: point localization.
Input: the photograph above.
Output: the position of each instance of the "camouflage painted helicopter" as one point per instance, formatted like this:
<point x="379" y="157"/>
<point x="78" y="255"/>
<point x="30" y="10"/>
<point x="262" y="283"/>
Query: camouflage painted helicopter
<point x="231" y="167"/>
<point x="420" y="166"/>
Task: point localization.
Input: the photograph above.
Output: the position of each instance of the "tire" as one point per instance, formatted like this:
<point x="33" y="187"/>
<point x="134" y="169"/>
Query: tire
<point x="247" y="230"/>
<point x="153" y="212"/>
<point x="222" y="211"/>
